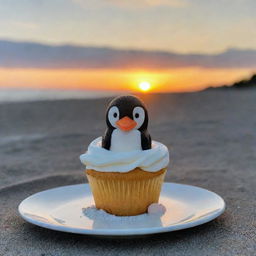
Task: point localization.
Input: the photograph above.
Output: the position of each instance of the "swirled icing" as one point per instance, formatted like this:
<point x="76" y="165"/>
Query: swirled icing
<point x="100" y="159"/>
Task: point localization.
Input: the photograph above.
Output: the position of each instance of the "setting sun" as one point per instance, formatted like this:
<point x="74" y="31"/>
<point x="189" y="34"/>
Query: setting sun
<point x="144" y="86"/>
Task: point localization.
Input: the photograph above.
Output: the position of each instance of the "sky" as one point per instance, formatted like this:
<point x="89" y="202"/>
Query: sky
<point x="180" y="26"/>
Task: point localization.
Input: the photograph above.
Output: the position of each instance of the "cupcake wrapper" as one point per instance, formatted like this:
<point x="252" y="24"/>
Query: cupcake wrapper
<point x="125" y="194"/>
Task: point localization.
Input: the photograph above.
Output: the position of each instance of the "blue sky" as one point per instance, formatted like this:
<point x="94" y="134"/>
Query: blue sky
<point x="173" y="25"/>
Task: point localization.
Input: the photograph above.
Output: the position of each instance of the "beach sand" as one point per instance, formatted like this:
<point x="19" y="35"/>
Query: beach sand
<point x="212" y="141"/>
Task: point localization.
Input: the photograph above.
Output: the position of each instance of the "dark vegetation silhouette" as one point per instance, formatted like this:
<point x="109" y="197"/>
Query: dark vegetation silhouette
<point x="243" y="84"/>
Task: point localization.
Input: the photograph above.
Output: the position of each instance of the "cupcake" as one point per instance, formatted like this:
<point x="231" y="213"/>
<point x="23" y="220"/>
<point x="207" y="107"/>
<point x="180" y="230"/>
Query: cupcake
<point x="125" y="169"/>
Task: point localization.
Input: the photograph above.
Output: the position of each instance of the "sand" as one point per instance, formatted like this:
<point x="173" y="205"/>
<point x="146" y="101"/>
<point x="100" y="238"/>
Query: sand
<point x="212" y="140"/>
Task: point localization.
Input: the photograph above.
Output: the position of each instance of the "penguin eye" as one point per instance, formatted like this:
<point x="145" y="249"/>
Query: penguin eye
<point x="113" y="115"/>
<point x="139" y="116"/>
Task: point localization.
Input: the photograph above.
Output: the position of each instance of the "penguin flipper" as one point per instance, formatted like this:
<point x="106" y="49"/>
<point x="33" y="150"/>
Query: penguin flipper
<point x="106" y="139"/>
<point x="145" y="140"/>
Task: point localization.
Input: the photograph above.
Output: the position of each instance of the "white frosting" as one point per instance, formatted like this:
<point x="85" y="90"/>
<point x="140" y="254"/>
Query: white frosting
<point x="156" y="208"/>
<point x="103" y="160"/>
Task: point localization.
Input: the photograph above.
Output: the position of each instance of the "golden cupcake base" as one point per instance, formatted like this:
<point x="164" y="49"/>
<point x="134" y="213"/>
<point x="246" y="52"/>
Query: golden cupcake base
<point x="125" y="194"/>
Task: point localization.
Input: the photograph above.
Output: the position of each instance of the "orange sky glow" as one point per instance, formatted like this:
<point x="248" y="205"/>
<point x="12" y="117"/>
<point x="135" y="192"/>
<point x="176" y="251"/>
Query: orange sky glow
<point x="173" y="80"/>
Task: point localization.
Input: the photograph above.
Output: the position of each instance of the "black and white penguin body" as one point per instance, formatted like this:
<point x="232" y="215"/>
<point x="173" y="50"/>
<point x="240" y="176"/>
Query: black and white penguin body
<point x="127" y="122"/>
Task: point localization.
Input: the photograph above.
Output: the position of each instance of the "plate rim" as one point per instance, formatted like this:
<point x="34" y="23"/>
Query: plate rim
<point x="123" y="232"/>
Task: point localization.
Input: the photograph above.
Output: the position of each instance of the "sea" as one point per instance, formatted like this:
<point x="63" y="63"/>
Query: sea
<point x="25" y="95"/>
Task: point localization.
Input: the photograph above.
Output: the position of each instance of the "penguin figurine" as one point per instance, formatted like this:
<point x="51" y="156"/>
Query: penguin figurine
<point x="127" y="123"/>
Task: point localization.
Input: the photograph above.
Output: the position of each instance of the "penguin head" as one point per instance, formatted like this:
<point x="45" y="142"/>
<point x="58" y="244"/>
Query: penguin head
<point x="127" y="113"/>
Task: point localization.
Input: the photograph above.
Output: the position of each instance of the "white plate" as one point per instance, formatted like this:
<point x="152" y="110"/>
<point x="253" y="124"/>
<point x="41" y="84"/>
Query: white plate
<point x="62" y="209"/>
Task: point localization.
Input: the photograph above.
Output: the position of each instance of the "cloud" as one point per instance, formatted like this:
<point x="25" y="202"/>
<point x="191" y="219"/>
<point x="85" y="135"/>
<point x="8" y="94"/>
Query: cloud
<point x="34" y="55"/>
<point x="149" y="3"/>
<point x="132" y="4"/>
<point x="25" y="25"/>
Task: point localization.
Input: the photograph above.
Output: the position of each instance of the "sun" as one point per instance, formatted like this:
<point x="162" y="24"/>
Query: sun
<point x="144" y="86"/>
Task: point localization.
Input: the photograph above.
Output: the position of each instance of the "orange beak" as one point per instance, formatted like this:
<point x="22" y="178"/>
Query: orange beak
<point x="126" y="124"/>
